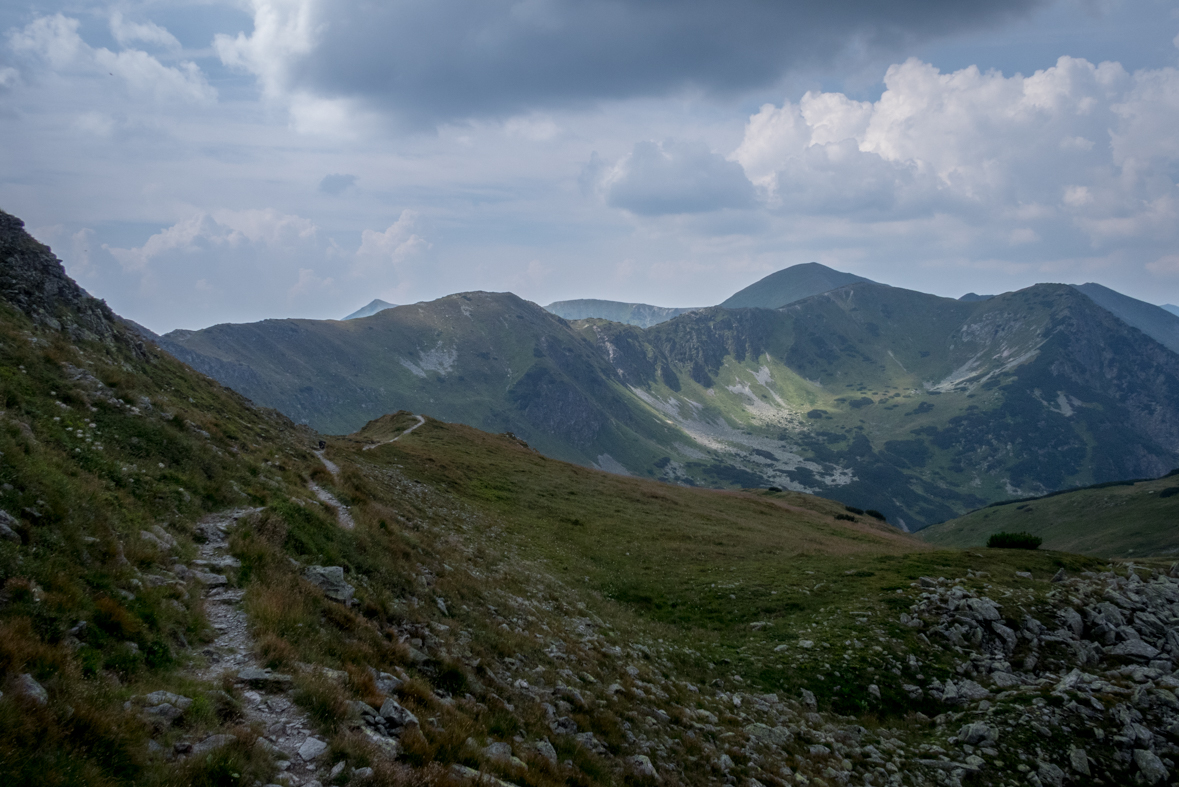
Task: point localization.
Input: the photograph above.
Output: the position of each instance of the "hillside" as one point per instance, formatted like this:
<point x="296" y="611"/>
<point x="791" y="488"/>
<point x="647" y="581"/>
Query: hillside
<point x="643" y="315"/>
<point x="1126" y="519"/>
<point x="789" y="285"/>
<point x="191" y="596"/>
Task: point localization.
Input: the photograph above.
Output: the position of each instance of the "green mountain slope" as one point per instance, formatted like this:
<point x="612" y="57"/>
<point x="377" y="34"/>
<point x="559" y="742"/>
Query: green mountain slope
<point x="643" y="315"/>
<point x="918" y="406"/>
<point x="1155" y="321"/>
<point x="1124" y="519"/>
<point x="491" y="360"/>
<point x="789" y="285"/>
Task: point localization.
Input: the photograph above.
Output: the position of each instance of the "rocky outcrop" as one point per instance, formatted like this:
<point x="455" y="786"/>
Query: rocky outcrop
<point x="33" y="280"/>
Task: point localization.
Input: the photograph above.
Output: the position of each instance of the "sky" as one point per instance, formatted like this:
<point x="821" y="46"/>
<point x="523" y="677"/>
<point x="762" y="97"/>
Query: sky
<point x="196" y="162"/>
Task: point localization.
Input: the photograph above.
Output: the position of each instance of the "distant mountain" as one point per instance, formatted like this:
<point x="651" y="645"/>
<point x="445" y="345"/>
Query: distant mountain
<point x="790" y="285"/>
<point x="972" y="297"/>
<point x="374" y="306"/>
<point x="1155" y="321"/>
<point x="641" y="314"/>
<point x="1172" y="308"/>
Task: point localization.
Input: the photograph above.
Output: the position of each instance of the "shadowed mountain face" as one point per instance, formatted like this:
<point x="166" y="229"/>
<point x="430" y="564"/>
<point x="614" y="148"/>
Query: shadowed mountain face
<point x="643" y="315"/>
<point x="917" y="406"/>
<point x="1155" y="321"/>
<point x="789" y="285"/>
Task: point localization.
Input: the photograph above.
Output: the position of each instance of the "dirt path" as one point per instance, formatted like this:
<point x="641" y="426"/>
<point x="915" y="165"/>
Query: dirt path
<point x="268" y="703"/>
<point x="421" y="421"/>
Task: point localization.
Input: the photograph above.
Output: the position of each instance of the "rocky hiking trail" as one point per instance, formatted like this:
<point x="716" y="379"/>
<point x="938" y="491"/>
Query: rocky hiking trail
<point x="268" y="703"/>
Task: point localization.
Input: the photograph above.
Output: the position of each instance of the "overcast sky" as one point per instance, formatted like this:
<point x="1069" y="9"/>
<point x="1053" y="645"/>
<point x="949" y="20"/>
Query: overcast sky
<point x="204" y="161"/>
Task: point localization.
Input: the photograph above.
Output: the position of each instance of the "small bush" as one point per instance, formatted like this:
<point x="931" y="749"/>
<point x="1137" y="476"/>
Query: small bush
<point x="876" y="514"/>
<point x="854" y="510"/>
<point x="1014" y="541"/>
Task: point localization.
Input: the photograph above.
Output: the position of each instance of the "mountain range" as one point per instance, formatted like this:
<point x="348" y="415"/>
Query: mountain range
<point x="914" y="405"/>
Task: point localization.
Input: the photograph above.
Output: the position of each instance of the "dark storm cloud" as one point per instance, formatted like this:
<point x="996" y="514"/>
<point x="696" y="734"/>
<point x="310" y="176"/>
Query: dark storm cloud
<point x="430" y="60"/>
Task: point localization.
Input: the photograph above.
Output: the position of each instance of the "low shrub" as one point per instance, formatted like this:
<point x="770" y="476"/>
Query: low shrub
<point x="1014" y="541"/>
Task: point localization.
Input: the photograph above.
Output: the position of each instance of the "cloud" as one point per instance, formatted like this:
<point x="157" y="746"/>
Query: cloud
<point x="146" y="32"/>
<point x="431" y="61"/>
<point x="1078" y="155"/>
<point x="336" y="184"/>
<point x="672" y="177"/>
<point x="53" y="43"/>
<point x="393" y="248"/>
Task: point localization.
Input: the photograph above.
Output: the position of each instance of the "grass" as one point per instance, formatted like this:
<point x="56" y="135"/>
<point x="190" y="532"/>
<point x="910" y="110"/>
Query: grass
<point x="1132" y="520"/>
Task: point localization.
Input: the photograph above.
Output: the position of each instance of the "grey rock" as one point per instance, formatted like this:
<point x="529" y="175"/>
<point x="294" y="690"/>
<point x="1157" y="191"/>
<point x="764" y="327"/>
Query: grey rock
<point x="1072" y="620"/>
<point x="970" y="691"/>
<point x="363" y="773"/>
<point x="725" y="763"/>
<point x="1079" y="759"/>
<point x="808" y="699"/>
<point x="498" y="752"/>
<point x="1050" y="774"/>
<point x="1059" y="576"/>
<point x="160" y="697"/>
<point x="210" y="743"/>
<point x="165" y="711"/>
<point x="330" y="579"/>
<point x="978" y="734"/>
<point x="27" y="686"/>
<point x="774" y="736"/>
<point x="209" y="579"/>
<point x="1005" y="680"/>
<point x="981" y="609"/>
<point x="265" y="679"/>
<point x="546" y="750"/>
<point x="564" y="725"/>
<point x="1135" y="649"/>
<point x="312" y="748"/>
<point x="8" y="526"/>
<point x="396" y="715"/>
<point x="640" y="765"/>
<point x="337" y="769"/>
<point x="1150" y="766"/>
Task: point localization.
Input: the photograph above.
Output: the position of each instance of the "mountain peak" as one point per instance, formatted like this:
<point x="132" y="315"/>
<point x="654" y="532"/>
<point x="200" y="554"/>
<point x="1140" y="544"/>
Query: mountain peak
<point x="374" y="306"/>
<point x="789" y="285"/>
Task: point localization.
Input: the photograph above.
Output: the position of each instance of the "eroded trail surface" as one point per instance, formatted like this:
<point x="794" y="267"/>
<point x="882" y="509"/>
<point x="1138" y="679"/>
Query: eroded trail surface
<point x="268" y="696"/>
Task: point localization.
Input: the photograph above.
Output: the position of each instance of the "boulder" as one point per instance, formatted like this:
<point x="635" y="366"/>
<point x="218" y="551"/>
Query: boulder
<point x="978" y="734"/>
<point x="265" y="679"/>
<point x="396" y="715"/>
<point x="1135" y="649"/>
<point x="312" y="748"/>
<point x="1150" y="766"/>
<point x="8" y="527"/>
<point x="640" y="765"/>
<point x="546" y="750"/>
<point x="26" y="686"/>
<point x="330" y="579"/>
<point x="498" y="752"/>
<point x="210" y="743"/>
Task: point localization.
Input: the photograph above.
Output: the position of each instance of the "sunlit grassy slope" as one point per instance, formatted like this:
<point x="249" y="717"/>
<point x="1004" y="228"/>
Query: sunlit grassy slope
<point x="1122" y="520"/>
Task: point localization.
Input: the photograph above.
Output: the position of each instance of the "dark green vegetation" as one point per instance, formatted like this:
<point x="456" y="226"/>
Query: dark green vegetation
<point x="1014" y="541"/>
<point x="1127" y="519"/>
<point x="644" y="315"/>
